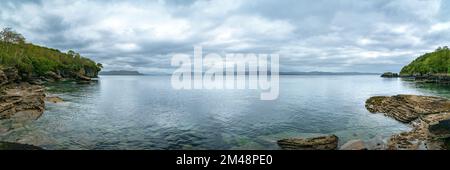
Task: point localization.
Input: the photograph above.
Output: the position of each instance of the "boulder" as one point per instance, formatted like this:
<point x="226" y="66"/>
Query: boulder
<point x="354" y="145"/>
<point x="406" y="108"/>
<point x="83" y="82"/>
<point x="53" y="75"/>
<point x="8" y="75"/>
<point x="316" y="143"/>
<point x="82" y="77"/>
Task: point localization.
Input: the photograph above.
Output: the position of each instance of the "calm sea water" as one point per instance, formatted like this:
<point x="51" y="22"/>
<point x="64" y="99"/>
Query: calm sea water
<point x="144" y="112"/>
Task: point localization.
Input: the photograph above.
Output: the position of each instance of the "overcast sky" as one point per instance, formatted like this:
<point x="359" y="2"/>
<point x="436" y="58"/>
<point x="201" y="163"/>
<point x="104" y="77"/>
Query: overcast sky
<point x="313" y="35"/>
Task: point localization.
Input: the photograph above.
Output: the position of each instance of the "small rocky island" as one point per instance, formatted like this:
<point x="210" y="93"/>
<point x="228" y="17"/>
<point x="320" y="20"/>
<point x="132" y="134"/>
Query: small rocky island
<point x="431" y="67"/>
<point x="24" y="69"/>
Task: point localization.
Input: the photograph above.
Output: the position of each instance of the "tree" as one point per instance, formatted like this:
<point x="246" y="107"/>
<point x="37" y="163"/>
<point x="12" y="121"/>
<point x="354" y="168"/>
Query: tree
<point x="10" y="36"/>
<point x="99" y="65"/>
<point x="71" y="53"/>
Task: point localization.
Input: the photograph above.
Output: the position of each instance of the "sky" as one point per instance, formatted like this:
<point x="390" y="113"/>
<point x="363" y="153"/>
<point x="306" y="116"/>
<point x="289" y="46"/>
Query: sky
<point x="309" y="35"/>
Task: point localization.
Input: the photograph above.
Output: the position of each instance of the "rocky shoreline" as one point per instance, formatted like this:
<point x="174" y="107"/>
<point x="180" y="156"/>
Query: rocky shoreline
<point x="20" y="99"/>
<point x="23" y="101"/>
<point x="429" y="117"/>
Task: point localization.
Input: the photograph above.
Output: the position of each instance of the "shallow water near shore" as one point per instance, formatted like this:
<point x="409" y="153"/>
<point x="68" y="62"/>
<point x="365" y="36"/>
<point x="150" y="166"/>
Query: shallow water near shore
<point x="144" y="112"/>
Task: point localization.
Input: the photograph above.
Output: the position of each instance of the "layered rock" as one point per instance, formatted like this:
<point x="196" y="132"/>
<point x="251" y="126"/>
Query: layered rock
<point x="8" y="75"/>
<point x="19" y="102"/>
<point x="316" y="143"/>
<point x="429" y="117"/>
<point x="22" y="100"/>
<point x="440" y="129"/>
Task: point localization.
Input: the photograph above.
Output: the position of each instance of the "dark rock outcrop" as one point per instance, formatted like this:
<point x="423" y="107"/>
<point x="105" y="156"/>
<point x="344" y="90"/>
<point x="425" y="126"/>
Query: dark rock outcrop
<point x="316" y="143"/>
<point x="440" y="129"/>
<point x="53" y="75"/>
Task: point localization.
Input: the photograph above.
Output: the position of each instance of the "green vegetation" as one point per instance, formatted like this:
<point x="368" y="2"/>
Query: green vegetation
<point x="434" y="63"/>
<point x="34" y="61"/>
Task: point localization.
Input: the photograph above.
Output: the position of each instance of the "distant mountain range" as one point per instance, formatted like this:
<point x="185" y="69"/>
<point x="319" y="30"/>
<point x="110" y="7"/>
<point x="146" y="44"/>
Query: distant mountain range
<point x="120" y="72"/>
<point x="124" y="72"/>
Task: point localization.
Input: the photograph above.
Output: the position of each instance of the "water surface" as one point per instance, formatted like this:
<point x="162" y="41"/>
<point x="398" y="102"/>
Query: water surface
<point x="144" y="112"/>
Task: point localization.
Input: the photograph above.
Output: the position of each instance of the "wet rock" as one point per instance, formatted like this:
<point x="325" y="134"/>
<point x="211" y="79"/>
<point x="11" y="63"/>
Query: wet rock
<point x="54" y="99"/>
<point x="440" y="129"/>
<point x="83" y="82"/>
<point x="447" y="143"/>
<point x="82" y="77"/>
<point x="36" y="82"/>
<point x="8" y="75"/>
<point x="406" y="108"/>
<point x="354" y="145"/>
<point x="22" y="100"/>
<point x="17" y="146"/>
<point x="421" y="137"/>
<point x="316" y="143"/>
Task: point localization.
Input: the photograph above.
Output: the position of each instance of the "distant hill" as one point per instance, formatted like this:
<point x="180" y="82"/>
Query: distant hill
<point x="120" y="72"/>
<point x="309" y="73"/>
<point x="434" y="63"/>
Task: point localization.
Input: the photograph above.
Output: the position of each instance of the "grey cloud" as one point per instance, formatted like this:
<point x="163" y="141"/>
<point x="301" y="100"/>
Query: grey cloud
<point x="338" y="35"/>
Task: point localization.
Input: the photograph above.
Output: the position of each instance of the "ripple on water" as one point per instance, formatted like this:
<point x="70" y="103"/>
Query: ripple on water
<point x="126" y="112"/>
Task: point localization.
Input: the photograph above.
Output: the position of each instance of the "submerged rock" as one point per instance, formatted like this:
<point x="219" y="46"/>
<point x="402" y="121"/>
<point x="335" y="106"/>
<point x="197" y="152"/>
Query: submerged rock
<point x="354" y="145"/>
<point x="406" y="108"/>
<point x="17" y="146"/>
<point x="316" y="143"/>
<point x="54" y="99"/>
